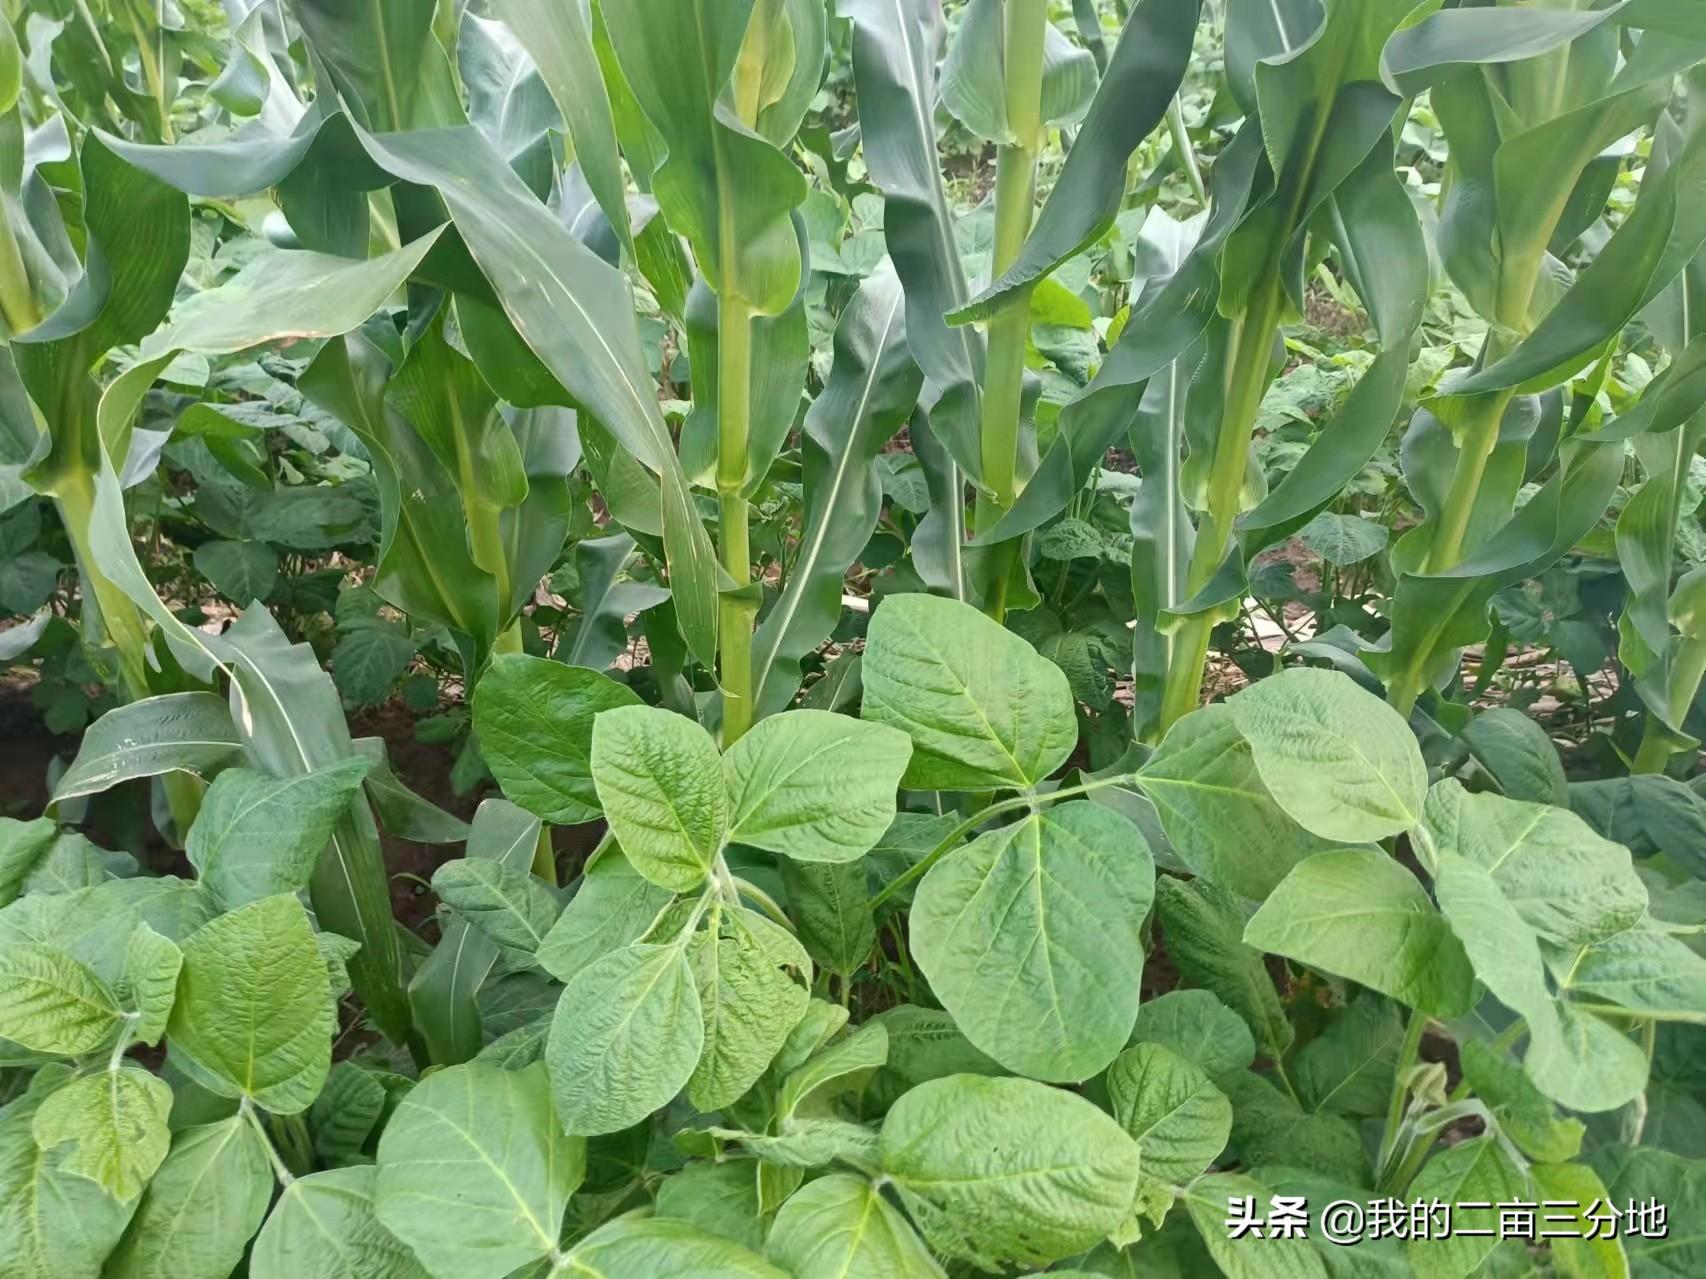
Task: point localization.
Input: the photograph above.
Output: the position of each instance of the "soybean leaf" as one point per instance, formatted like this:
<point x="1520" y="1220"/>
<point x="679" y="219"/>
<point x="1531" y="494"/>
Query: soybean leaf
<point x="1179" y="1119"/>
<point x="613" y="906"/>
<point x="325" y="1224"/>
<point x="752" y="977"/>
<point x="1204" y="927"/>
<point x="115" y="1123"/>
<point x="842" y="1225"/>
<point x="1195" y="1025"/>
<point x="660" y="784"/>
<point x="510" y="908"/>
<point x="1473" y="1177"/>
<point x="1520" y="756"/>
<point x="828" y="902"/>
<point x="52" y="1003"/>
<point x="1348" y="1068"/>
<point x="631" y="1248"/>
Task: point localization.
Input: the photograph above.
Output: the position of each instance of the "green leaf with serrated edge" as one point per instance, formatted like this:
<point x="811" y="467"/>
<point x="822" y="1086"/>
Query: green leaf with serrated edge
<point x="1362" y="916"/>
<point x="1195" y="1025"/>
<point x="325" y="1224"/>
<point x="1570" y="886"/>
<point x="626" y="1037"/>
<point x="535" y="718"/>
<point x="115" y="1124"/>
<point x="253" y="1017"/>
<point x="1204" y="930"/>
<point x="872" y="388"/>
<point x="1005" y="1172"/>
<point x="1207" y="1203"/>
<point x="176" y="732"/>
<point x="613" y="906"/>
<point x="1520" y="756"/>
<point x="202" y="1207"/>
<point x="718" y="1198"/>
<point x="982" y="707"/>
<point x="53" y="1223"/>
<point x="841" y="1225"/>
<point x="492" y="1135"/>
<point x="1338" y="759"/>
<point x="513" y="909"/>
<point x="257" y="836"/>
<point x="631" y="1248"/>
<point x="816" y="786"/>
<point x="1482" y="1172"/>
<point x="829" y="905"/>
<point x="52" y="1003"/>
<point x="1218" y="814"/>
<point x="1029" y="937"/>
<point x="1347" y="1069"/>
<point x="660" y="784"/>
<point x="150" y="986"/>
<point x="1179" y="1119"/>
<point x="752" y="977"/>
<point x="443" y="989"/>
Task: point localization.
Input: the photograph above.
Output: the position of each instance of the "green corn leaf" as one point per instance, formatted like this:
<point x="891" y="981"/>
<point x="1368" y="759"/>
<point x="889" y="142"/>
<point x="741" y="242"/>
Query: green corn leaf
<point x="177" y="732"/>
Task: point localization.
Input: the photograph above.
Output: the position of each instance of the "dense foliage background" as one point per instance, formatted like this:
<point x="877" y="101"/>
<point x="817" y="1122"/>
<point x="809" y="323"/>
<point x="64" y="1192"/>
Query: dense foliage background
<point x="851" y="637"/>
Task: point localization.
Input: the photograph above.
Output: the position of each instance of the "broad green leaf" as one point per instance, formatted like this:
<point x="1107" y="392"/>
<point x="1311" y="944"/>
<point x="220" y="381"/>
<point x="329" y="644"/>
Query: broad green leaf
<point x="924" y="1044"/>
<point x="53" y="1223"/>
<point x="1195" y="1025"/>
<point x="1523" y="1112"/>
<point x="345" y="1113"/>
<point x="115" y="1123"/>
<point x="325" y="1224"/>
<point x="52" y="1003"/>
<point x="1179" y="1119"/>
<point x="816" y="786"/>
<point x="505" y="902"/>
<point x="828" y="903"/>
<point x="974" y="72"/>
<point x="150" y="986"/>
<point x="1500" y="944"/>
<point x="384" y="60"/>
<point x="840" y="1068"/>
<point x="177" y="732"/>
<point x="22" y="846"/>
<point x="1520" y="756"/>
<point x="719" y="1198"/>
<point x="1569" y="885"/>
<point x="534" y="718"/>
<point x="626" y="1038"/>
<point x="606" y="600"/>
<point x="491" y="1137"/>
<point x="254" y="1017"/>
<point x="1590" y="1258"/>
<point x="1218" y="814"/>
<point x="1338" y="759"/>
<point x="1644" y="969"/>
<point x="258" y="836"/>
<point x="1362" y="916"/>
<point x="1204" y="930"/>
<point x="613" y="906"/>
<point x="507" y="97"/>
<point x="1347" y="1069"/>
<point x="243" y="572"/>
<point x="748" y="998"/>
<point x="631" y="1248"/>
<point x="1585" y="1063"/>
<point x="1007" y="1172"/>
<point x="660" y="784"/>
<point x="1029" y="937"/>
<point x="841" y="1226"/>
<point x="1343" y="540"/>
<point x="202" y="1207"/>
<point x="1481" y="1172"/>
<point x="1207" y="1201"/>
<point x="1646" y="814"/>
<point x="982" y="707"/>
<point x="1671" y="1179"/>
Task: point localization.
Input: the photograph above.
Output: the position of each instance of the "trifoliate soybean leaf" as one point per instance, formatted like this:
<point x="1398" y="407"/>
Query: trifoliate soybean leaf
<point x="626" y="1037"/>
<point x="1347" y="1069"/>
<point x="1343" y="540"/>
<point x="534" y="718"/>
<point x="325" y="1225"/>
<point x="114" y="1125"/>
<point x="1215" y="809"/>
<point x="717" y="1198"/>
<point x="202" y="1207"/>
<point x="1195" y="1025"/>
<point x="1342" y="762"/>
<point x="1179" y="1119"/>
<point x="1007" y="1172"/>
<point x="660" y="783"/>
<point x="51" y="1003"/>
<point x="177" y="732"/>
<point x="982" y="707"/>
<point x="474" y="1170"/>
<point x="632" y="1248"/>
<point x="54" y="1224"/>
<point x="150" y="985"/>
<point x="613" y="906"/>
<point x="753" y="978"/>
<point x="1204" y="930"/>
<point x="253" y="1016"/>
<point x="816" y="786"/>
<point x="243" y="572"/>
<point x="841" y="1226"/>
<point x="1474" y="1177"/>
<point x="1520" y="756"/>
<point x="1029" y="937"/>
<point x="1362" y="916"/>
<point x="1568" y="884"/>
<point x="258" y="836"/>
<point x="829" y="905"/>
<point x="512" y="908"/>
<point x="367" y="662"/>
